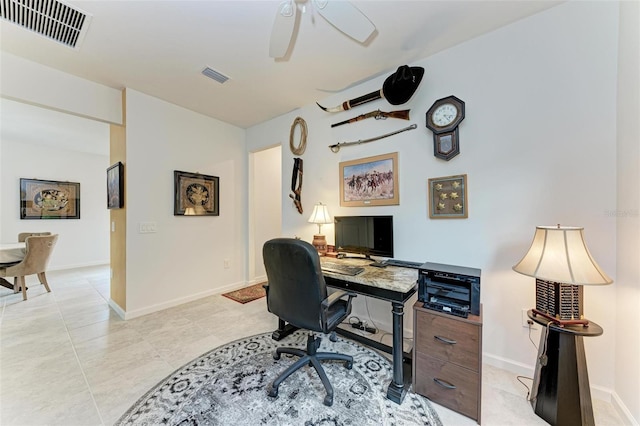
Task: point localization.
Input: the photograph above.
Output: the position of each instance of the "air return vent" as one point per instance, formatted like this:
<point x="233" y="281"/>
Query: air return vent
<point x="49" y="18"/>
<point x="211" y="73"/>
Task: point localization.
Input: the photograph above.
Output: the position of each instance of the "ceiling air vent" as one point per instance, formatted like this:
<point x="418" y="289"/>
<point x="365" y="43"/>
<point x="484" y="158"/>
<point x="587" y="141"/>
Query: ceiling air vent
<point x="211" y="73"/>
<point x="49" y="18"/>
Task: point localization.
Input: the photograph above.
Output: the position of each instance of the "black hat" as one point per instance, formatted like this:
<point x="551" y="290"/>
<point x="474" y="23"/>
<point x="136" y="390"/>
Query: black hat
<point x="400" y="86"/>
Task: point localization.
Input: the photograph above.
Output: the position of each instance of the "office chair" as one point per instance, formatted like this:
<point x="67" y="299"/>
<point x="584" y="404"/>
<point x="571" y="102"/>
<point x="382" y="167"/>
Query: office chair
<point x="36" y="259"/>
<point x="297" y="294"/>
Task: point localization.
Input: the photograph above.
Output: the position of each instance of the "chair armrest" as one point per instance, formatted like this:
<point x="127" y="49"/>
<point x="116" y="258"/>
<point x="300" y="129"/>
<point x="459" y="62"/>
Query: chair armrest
<point x="335" y="296"/>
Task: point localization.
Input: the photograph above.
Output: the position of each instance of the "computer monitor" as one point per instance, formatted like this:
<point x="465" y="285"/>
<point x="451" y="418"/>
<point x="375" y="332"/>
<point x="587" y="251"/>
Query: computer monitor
<point x="366" y="235"/>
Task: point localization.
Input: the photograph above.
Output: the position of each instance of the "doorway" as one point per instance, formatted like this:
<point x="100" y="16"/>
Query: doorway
<point x="265" y="205"/>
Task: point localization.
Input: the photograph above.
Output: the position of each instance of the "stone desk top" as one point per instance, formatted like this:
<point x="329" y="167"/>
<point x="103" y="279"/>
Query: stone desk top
<point x="390" y="279"/>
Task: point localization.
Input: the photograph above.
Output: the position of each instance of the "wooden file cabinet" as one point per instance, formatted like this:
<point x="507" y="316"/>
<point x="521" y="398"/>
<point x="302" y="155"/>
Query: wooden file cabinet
<point x="447" y="359"/>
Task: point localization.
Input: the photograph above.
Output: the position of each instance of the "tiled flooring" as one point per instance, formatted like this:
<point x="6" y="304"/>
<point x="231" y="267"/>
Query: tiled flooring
<point x="67" y="359"/>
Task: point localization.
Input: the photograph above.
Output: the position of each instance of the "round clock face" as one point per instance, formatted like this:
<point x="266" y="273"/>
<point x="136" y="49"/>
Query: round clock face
<point x="444" y="115"/>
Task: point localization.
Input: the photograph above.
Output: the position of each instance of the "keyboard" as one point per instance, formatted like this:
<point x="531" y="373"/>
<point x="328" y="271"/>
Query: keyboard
<point x="403" y="263"/>
<point x="339" y="268"/>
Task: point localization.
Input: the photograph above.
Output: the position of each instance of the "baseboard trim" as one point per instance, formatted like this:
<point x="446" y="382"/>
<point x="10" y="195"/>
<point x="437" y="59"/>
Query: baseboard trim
<point x="622" y="409"/>
<point x="118" y="310"/>
<point x="520" y="369"/>
<point x="77" y="266"/>
<point x="176" y="302"/>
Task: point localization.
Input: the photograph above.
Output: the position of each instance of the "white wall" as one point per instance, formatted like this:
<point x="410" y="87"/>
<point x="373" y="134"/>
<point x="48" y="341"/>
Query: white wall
<point x="83" y="241"/>
<point x="627" y="337"/>
<point x="37" y="84"/>
<point x="184" y="260"/>
<point x="537" y="144"/>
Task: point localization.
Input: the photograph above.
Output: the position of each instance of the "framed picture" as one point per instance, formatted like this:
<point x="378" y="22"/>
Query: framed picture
<point x="49" y="199"/>
<point x="448" y="197"/>
<point x="371" y="181"/>
<point x="115" y="186"/>
<point x="196" y="194"/>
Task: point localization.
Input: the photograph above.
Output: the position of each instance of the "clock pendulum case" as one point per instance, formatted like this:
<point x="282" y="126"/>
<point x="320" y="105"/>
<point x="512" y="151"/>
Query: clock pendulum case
<point x="443" y="119"/>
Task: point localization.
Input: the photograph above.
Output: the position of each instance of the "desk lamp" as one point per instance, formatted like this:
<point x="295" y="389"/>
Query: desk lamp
<point x="320" y="216"/>
<point x="560" y="262"/>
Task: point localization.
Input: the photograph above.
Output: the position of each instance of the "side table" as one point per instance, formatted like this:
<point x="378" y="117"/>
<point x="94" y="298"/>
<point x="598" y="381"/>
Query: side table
<point x="560" y="393"/>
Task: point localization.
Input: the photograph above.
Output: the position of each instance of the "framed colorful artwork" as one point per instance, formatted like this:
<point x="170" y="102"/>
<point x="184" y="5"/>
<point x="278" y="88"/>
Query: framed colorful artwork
<point x="196" y="194"/>
<point x="49" y="199"/>
<point x="115" y="186"/>
<point x="371" y="181"/>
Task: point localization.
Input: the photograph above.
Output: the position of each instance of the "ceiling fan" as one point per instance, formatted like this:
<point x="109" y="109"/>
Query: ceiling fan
<point x="340" y="13"/>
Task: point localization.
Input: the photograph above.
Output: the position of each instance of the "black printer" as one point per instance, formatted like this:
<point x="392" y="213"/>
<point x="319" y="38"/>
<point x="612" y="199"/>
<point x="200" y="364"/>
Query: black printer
<point x="448" y="288"/>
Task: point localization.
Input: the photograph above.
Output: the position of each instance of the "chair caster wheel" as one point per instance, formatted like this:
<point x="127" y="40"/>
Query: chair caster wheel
<point x="348" y="365"/>
<point x="333" y="337"/>
<point x="328" y="400"/>
<point x="273" y="392"/>
<point x="276" y="355"/>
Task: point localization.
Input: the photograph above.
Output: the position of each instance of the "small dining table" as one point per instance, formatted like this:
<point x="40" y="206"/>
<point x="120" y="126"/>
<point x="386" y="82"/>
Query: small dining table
<point x="10" y="254"/>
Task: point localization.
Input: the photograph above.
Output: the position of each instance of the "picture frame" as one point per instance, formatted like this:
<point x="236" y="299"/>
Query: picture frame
<point x="196" y="194"/>
<point x="448" y="197"/>
<point x="49" y="199"/>
<point x="370" y="181"/>
<point x="115" y="186"/>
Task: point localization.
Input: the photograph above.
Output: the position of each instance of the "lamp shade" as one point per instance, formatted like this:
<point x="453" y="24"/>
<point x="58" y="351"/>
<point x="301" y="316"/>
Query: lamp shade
<point x="560" y="254"/>
<point x="320" y="214"/>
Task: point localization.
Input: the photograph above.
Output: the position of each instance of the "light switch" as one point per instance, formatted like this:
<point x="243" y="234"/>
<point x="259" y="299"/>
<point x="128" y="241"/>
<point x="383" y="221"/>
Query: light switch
<point x="113" y="227"/>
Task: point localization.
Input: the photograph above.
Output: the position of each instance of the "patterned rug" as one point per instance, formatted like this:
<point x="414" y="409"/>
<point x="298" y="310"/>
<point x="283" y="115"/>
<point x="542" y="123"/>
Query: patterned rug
<point x="247" y="294"/>
<point x="228" y="386"/>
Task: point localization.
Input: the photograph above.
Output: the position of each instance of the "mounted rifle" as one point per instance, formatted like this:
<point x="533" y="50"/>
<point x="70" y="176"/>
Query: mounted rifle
<point x="378" y="115"/>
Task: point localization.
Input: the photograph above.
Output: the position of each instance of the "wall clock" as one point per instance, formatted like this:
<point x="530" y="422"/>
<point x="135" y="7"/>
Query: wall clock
<point x="443" y="119"/>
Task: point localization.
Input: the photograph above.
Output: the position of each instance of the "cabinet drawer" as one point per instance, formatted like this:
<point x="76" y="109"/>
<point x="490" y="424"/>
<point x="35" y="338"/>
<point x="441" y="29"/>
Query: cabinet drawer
<point x="447" y="384"/>
<point x="448" y="339"/>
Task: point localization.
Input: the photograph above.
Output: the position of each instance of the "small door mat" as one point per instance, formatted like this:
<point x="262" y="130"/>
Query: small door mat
<point x="247" y="294"/>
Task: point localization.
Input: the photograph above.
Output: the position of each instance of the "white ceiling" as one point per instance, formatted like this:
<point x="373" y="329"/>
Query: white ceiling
<point x="160" y="48"/>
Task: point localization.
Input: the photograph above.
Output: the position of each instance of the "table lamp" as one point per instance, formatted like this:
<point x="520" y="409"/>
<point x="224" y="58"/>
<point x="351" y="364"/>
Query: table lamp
<point x="320" y="216"/>
<point x="560" y="262"/>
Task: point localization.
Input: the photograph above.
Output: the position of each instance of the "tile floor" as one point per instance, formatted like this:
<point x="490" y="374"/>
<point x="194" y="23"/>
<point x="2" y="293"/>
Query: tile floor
<point x="67" y="359"/>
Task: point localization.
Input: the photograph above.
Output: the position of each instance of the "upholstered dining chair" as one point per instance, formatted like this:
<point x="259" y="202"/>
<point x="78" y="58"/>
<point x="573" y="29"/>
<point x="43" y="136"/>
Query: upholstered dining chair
<point x="297" y="294"/>
<point x="23" y="235"/>
<point x="36" y="259"/>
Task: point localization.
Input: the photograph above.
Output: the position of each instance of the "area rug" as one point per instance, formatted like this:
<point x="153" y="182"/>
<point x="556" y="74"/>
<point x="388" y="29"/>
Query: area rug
<point x="247" y="294"/>
<point x="228" y="386"/>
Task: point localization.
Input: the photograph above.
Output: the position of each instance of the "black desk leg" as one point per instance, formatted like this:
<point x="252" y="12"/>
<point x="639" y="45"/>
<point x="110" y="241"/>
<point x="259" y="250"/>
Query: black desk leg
<point x="283" y="330"/>
<point x="397" y="391"/>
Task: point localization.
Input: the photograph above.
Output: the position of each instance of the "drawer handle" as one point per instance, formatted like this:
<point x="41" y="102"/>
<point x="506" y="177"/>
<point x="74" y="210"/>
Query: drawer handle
<point x="443" y="383"/>
<point x="445" y="340"/>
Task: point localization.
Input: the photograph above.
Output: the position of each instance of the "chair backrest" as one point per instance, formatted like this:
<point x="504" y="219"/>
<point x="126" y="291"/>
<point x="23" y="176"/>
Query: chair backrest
<point x="23" y="235"/>
<point x="36" y="258"/>
<point x="296" y="284"/>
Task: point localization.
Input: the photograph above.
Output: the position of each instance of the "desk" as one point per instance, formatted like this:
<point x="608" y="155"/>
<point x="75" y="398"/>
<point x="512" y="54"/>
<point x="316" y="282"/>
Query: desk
<point x="10" y="254"/>
<point x="392" y="284"/>
<point x="560" y="392"/>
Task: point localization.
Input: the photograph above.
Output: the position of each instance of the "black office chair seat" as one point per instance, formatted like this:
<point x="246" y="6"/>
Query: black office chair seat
<point x="297" y="294"/>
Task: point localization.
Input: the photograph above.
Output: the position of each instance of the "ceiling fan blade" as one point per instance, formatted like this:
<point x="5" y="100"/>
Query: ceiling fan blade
<point x="346" y="17"/>
<point x="282" y="32"/>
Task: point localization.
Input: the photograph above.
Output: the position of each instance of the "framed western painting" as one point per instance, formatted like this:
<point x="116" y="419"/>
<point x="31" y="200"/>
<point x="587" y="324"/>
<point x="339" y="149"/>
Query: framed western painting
<point x="196" y="194"/>
<point x="448" y="197"/>
<point x="49" y="199"/>
<point x="371" y="181"/>
<point x="115" y="186"/>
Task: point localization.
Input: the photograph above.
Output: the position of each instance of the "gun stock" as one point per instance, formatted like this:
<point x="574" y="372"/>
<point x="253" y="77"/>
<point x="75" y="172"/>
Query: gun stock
<point x="378" y="115"/>
<point x="401" y="114"/>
